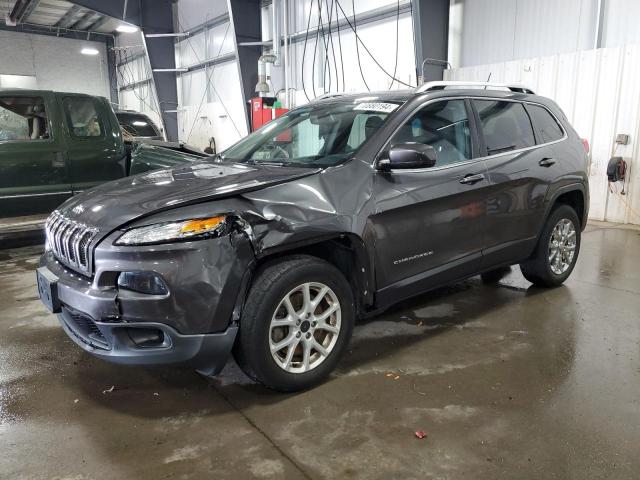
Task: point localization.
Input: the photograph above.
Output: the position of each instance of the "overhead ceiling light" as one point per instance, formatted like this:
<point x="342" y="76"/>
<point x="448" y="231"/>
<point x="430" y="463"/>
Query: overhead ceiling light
<point x="124" y="28"/>
<point x="89" y="51"/>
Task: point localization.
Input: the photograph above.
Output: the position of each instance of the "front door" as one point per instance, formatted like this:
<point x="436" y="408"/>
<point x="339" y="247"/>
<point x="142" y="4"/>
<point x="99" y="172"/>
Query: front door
<point x="429" y="223"/>
<point x="94" y="143"/>
<point x="34" y="175"/>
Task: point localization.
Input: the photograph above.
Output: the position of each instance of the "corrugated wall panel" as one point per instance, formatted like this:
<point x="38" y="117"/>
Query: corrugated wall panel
<point x="599" y="91"/>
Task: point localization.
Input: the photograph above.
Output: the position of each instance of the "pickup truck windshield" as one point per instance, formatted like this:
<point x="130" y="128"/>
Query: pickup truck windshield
<point x="313" y="136"/>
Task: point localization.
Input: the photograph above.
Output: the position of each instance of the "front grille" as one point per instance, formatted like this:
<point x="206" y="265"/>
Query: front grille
<point x="70" y="241"/>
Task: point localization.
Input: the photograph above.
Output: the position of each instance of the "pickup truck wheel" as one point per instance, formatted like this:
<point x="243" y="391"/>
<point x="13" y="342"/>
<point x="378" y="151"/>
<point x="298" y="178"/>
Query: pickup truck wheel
<point x="557" y="249"/>
<point x="296" y="323"/>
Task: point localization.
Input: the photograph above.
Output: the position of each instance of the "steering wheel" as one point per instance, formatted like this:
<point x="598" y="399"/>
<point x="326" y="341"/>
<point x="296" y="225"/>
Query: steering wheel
<point x="272" y="152"/>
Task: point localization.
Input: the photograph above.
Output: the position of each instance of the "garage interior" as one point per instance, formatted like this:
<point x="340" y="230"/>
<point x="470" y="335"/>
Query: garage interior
<point x="472" y="380"/>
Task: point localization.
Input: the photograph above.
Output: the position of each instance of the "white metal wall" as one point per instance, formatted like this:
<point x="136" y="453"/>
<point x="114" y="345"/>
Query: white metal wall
<point x="210" y="97"/>
<point x="599" y="90"/>
<point x="135" y="83"/>
<point x="488" y="31"/>
<point x="55" y="62"/>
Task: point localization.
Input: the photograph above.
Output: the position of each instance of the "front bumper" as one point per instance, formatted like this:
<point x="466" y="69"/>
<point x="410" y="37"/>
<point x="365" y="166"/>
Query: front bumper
<point x="195" y="324"/>
<point x="113" y="342"/>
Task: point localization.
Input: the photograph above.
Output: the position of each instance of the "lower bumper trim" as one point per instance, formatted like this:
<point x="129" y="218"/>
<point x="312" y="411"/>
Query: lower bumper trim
<point x="112" y="342"/>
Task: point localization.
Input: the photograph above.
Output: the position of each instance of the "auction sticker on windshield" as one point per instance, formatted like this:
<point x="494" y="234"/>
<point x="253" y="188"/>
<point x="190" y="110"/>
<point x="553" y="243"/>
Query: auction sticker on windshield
<point x="376" y="107"/>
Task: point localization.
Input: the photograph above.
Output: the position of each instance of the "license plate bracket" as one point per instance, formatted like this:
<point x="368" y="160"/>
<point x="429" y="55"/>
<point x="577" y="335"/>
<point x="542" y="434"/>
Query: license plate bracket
<point x="48" y="289"/>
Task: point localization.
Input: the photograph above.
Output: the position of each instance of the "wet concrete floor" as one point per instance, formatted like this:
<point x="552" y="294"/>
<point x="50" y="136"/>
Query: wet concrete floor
<point x="508" y="381"/>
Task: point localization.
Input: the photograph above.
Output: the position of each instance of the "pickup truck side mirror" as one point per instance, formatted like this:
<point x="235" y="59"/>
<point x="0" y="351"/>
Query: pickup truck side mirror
<point x="408" y="155"/>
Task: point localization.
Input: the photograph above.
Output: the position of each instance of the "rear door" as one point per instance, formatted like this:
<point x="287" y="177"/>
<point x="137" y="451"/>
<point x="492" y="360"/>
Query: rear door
<point x="429" y="223"/>
<point x="94" y="143"/>
<point x="34" y="175"/>
<point x="521" y="166"/>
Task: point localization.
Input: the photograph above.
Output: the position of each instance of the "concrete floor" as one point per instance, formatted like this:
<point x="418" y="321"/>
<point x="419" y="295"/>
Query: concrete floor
<point x="507" y="381"/>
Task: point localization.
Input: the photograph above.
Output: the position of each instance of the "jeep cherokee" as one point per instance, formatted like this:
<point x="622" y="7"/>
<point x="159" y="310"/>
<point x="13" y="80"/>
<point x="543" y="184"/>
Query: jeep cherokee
<point x="334" y="211"/>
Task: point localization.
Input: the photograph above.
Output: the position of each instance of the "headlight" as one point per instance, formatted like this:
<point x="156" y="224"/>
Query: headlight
<point x="173" y="231"/>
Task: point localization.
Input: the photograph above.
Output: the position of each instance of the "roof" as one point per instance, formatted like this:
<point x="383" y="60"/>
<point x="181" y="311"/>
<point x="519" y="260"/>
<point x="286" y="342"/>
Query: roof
<point x="475" y="90"/>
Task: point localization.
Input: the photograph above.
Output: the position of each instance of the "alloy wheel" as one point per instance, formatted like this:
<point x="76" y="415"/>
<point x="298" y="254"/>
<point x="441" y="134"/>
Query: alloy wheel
<point x="305" y="327"/>
<point x="562" y="246"/>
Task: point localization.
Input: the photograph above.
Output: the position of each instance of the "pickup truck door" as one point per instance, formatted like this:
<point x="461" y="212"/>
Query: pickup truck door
<point x="95" y="148"/>
<point x="34" y="175"/>
<point x="430" y="223"/>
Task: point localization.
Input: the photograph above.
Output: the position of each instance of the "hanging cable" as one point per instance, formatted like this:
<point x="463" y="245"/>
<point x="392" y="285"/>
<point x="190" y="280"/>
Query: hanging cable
<point x="327" y="67"/>
<point x="304" y="50"/>
<point x="340" y="47"/>
<point x="358" y="39"/>
<point x="353" y="27"/>
<point x="331" y="45"/>
<point x="395" y="68"/>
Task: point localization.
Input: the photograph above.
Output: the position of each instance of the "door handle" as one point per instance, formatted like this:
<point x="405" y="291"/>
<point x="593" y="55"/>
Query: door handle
<point x="58" y="160"/>
<point x="471" y="179"/>
<point x="546" y="162"/>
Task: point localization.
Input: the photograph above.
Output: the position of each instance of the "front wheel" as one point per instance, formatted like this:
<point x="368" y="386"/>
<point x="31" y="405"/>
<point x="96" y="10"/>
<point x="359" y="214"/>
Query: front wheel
<point x="557" y="249"/>
<point x="296" y="323"/>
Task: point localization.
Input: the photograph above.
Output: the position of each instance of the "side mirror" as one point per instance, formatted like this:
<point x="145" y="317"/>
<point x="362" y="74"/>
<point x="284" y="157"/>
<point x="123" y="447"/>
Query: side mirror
<point x="409" y="155"/>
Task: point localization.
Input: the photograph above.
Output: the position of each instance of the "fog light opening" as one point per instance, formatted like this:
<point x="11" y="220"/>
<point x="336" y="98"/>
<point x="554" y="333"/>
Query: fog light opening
<point x="147" y="337"/>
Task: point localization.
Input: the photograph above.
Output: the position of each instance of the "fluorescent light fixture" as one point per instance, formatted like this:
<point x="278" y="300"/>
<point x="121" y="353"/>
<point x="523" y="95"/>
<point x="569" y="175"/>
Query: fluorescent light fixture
<point x="89" y="51"/>
<point x="138" y="123"/>
<point x="126" y="28"/>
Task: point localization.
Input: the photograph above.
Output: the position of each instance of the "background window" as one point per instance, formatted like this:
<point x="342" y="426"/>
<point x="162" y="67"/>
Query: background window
<point x="23" y="119"/>
<point x="444" y="126"/>
<point x="506" y="125"/>
<point x="547" y="126"/>
<point x="82" y="117"/>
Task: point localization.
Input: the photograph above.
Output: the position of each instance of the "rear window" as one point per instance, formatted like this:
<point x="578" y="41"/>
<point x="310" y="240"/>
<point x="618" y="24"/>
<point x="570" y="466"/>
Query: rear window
<point x="547" y="127"/>
<point x="137" y="125"/>
<point x="82" y="117"/>
<point x="506" y="125"/>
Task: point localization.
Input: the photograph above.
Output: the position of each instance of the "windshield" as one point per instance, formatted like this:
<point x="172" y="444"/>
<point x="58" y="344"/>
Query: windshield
<point x="137" y="125"/>
<point x="319" y="135"/>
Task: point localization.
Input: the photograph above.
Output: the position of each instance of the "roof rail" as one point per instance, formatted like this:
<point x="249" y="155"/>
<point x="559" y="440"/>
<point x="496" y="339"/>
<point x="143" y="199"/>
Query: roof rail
<point x="429" y="86"/>
<point x="329" y="95"/>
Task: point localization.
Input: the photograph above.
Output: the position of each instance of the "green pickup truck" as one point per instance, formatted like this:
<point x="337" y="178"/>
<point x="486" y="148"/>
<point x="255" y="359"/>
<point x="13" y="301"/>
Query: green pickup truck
<point x="54" y="145"/>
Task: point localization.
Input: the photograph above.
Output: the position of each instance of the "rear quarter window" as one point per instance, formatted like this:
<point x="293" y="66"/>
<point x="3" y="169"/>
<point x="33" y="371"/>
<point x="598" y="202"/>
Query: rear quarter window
<point x="546" y="125"/>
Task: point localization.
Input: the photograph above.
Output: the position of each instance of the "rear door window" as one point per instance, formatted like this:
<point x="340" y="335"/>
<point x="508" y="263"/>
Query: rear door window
<point x="546" y="125"/>
<point x="23" y="119"/>
<point x="82" y="117"/>
<point x="506" y="125"/>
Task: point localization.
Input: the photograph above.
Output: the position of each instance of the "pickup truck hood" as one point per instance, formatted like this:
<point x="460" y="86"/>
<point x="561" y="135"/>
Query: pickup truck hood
<point x="113" y="204"/>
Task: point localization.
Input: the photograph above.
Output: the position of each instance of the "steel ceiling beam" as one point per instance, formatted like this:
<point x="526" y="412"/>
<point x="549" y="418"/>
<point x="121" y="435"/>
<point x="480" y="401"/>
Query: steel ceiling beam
<point x="83" y="19"/>
<point x="245" y="22"/>
<point x="68" y="18"/>
<point x="152" y="16"/>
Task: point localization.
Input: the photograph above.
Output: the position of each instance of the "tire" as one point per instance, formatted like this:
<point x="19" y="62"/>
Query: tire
<point x="541" y="269"/>
<point x="494" y="276"/>
<point x="268" y="322"/>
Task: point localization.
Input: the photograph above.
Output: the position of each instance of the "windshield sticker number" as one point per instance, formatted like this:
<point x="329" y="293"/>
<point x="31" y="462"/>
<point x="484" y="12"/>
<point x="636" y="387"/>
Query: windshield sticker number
<point x="376" y="107"/>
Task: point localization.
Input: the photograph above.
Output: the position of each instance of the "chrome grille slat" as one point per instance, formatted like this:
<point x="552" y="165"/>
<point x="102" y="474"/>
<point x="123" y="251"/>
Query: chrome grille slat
<point x="70" y="241"/>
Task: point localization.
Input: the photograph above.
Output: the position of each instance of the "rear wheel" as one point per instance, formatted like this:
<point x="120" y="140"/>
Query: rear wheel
<point x="557" y="250"/>
<point x="296" y="323"/>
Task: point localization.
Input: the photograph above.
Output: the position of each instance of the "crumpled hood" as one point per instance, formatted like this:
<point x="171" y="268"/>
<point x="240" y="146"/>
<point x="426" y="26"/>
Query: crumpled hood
<point x="112" y="204"/>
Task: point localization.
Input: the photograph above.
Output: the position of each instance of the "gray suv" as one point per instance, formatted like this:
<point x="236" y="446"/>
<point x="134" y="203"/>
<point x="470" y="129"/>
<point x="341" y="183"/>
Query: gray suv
<point x="332" y="212"/>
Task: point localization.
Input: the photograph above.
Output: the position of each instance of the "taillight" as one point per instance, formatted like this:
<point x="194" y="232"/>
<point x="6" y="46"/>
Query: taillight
<point x="585" y="144"/>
